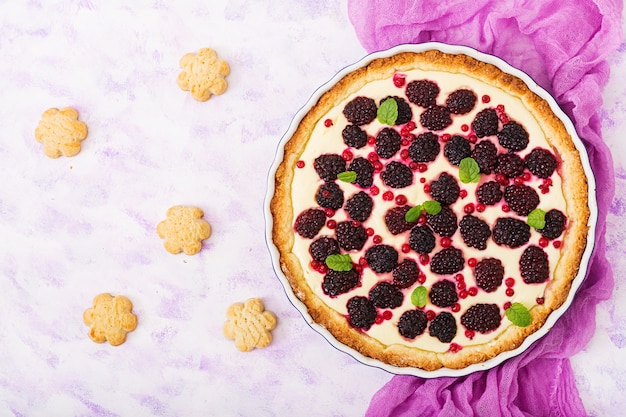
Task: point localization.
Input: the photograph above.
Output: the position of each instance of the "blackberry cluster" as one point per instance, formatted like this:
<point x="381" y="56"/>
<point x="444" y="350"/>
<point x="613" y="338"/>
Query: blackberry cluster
<point x="510" y="165"/>
<point x="359" y="206"/>
<point x="461" y="101"/>
<point x="489" y="273"/>
<point x="489" y="193"/>
<point x="364" y="171"/>
<point x="485" y="154"/>
<point x="521" y="198"/>
<point x="485" y="123"/>
<point x="340" y="282"/>
<point x="381" y="258"/>
<point x="447" y="261"/>
<point x="412" y="323"/>
<point x="425" y="147"/>
<point x="405" y="274"/>
<point x="310" y="222"/>
<point x="456" y="149"/>
<point x="482" y="318"/>
<point x="422" y="92"/>
<point x="445" y="189"/>
<point x="396" y="221"/>
<point x="360" y="111"/>
<point x="422" y="239"/>
<point x="405" y="114"/>
<point x="397" y="175"/>
<point x="354" y="136"/>
<point x="511" y="232"/>
<point x="443" y="293"/>
<point x="329" y="195"/>
<point x="540" y="162"/>
<point x="349" y="236"/>
<point x="443" y="223"/>
<point x="361" y="312"/>
<point x="388" y="142"/>
<point x="328" y="166"/>
<point x="474" y="231"/>
<point x="534" y="266"/>
<point x="436" y="118"/>
<point x="555" y="224"/>
<point x="322" y="247"/>
<point x="386" y="295"/>
<point x="443" y="327"/>
<point x="513" y="137"/>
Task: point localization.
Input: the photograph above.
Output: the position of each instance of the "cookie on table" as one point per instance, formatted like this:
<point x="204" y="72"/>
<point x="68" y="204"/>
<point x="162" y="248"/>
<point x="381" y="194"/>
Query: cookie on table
<point x="203" y="74"/>
<point x="184" y="230"/>
<point x="249" y="325"/>
<point x="110" y="319"/>
<point x="60" y="132"/>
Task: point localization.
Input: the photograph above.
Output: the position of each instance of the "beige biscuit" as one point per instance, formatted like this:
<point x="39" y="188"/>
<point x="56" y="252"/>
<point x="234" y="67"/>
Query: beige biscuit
<point x="61" y="132"/>
<point x="249" y="325"/>
<point x="110" y="319"/>
<point x="203" y="74"/>
<point x="184" y="230"/>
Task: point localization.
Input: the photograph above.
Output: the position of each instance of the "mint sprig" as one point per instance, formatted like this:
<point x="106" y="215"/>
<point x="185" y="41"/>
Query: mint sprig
<point x="419" y="296"/>
<point x="469" y="171"/>
<point x="519" y="315"/>
<point x="347" y="176"/>
<point x="339" y="262"/>
<point x="537" y="219"/>
<point x="414" y="213"/>
<point x="387" y="113"/>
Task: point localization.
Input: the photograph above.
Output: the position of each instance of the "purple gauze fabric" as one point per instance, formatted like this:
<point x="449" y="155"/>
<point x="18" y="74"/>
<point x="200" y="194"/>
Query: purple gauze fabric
<point x="563" y="46"/>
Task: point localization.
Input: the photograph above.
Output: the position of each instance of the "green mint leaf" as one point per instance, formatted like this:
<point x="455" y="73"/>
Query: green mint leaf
<point x="387" y="113"/>
<point x="347" y="176"/>
<point x="419" y="296"/>
<point x="339" y="262"/>
<point x="413" y="214"/>
<point x="519" y="315"/>
<point x="469" y="171"/>
<point x="537" y="219"/>
<point x="432" y="206"/>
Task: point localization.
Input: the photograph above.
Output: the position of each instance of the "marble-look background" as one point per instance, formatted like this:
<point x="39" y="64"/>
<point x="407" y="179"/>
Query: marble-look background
<point x="71" y="228"/>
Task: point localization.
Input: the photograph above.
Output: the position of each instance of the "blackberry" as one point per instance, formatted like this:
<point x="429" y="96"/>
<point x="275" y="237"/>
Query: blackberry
<point x="386" y="295"/>
<point x="461" y="101"/>
<point x="445" y="189"/>
<point x="381" y="258"/>
<point x="412" y="323"/>
<point x="534" y="266"/>
<point x="329" y="195"/>
<point x="447" y="261"/>
<point x="405" y="274"/>
<point x="310" y="222"/>
<point x="443" y="327"/>
<point x="489" y="273"/>
<point x="397" y="175"/>
<point x="510" y="165"/>
<point x="364" y="171"/>
<point x="443" y="293"/>
<point x="328" y="166"/>
<point x="422" y="92"/>
<point x="361" y="312"/>
<point x="510" y="232"/>
<point x="349" y="236"/>
<point x="555" y="224"/>
<point x="354" y="136"/>
<point x="340" y="282"/>
<point x="540" y="162"/>
<point x="474" y="231"/>
<point x="513" y="137"/>
<point x="360" y="111"/>
<point x="489" y="193"/>
<point x="396" y="221"/>
<point x="388" y="142"/>
<point x="482" y="318"/>
<point x="425" y="147"/>
<point x="405" y="114"/>
<point x="436" y="118"/>
<point x="456" y="149"/>
<point x="422" y="239"/>
<point x="521" y="198"/>
<point x="322" y="247"/>
<point x="485" y="123"/>
<point x="359" y="206"/>
<point x="443" y="223"/>
<point x="485" y="154"/>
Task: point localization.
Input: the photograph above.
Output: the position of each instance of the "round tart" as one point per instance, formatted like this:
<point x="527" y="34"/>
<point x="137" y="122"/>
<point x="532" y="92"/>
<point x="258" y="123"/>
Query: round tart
<point x="430" y="210"/>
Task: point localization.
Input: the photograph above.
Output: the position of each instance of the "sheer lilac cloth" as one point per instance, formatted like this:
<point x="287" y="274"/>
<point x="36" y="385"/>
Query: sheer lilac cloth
<point x="563" y="46"/>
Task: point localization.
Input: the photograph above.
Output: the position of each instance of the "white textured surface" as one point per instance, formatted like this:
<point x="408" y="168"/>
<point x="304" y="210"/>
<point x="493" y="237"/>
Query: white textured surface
<point x="74" y="227"/>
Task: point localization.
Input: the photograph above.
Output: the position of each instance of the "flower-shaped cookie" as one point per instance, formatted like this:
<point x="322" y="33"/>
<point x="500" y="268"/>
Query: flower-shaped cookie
<point x="184" y="229"/>
<point x="249" y="325"/>
<point x="203" y="74"/>
<point x="110" y="319"/>
<point x="61" y="132"/>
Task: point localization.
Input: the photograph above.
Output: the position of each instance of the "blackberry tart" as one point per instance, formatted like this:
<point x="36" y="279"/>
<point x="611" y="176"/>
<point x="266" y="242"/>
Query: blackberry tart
<point x="430" y="210"/>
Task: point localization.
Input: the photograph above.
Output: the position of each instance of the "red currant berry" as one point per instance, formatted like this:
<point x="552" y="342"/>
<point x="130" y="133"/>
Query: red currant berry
<point x="401" y="199"/>
<point x="328" y="123"/>
<point x="509" y="282"/>
<point x="445" y="137"/>
<point x="470" y="334"/>
<point x="424" y="259"/>
<point x="329" y="212"/>
<point x="404" y="153"/>
<point x="543" y="242"/>
<point x="486" y="99"/>
<point x="463" y="294"/>
<point x="469" y="208"/>
<point x="379" y="319"/>
<point x="399" y="79"/>
<point x="369" y="231"/>
<point x="387" y="315"/>
<point x="556" y="244"/>
<point x="378" y="166"/>
<point x="540" y="300"/>
<point x="372" y="157"/>
<point x="463" y="193"/>
<point x="347" y="155"/>
<point x="509" y="292"/>
<point x="427" y="188"/>
<point x="464" y="128"/>
<point x="421" y="278"/>
<point x="507" y="305"/>
<point x="480" y="207"/>
<point x="430" y="315"/>
<point x="377" y="239"/>
<point x="473" y="138"/>
<point x="388" y="195"/>
<point x="456" y="307"/>
<point x="472" y="291"/>
<point x="300" y="164"/>
<point x="371" y="140"/>
<point x="406" y="248"/>
<point x="506" y="208"/>
<point x="455" y="347"/>
<point x="331" y="224"/>
<point x="445" y="242"/>
<point x="374" y="190"/>
<point x="422" y="167"/>
<point x="471" y="262"/>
